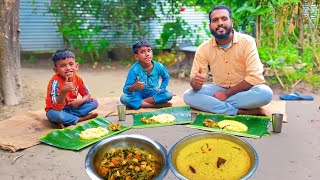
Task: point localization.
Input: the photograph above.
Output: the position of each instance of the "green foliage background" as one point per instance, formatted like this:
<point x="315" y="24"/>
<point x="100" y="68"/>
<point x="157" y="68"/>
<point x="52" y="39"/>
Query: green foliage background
<point x="284" y="32"/>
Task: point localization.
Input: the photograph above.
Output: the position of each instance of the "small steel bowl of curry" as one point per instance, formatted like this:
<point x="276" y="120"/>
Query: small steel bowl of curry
<point x="212" y="156"/>
<point x="131" y="156"/>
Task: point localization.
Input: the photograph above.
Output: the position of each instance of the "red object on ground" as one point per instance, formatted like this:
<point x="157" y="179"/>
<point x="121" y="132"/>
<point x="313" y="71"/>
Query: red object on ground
<point x="182" y="9"/>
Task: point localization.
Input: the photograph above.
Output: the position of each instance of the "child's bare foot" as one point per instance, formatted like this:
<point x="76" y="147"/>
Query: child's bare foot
<point x="257" y="112"/>
<point x="91" y="115"/>
<point x="149" y="105"/>
<point x="60" y="125"/>
<point x="129" y="108"/>
<point x="167" y="104"/>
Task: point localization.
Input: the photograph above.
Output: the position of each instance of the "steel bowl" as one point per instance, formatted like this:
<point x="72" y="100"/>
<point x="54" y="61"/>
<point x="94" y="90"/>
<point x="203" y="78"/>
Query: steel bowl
<point x="254" y="159"/>
<point x="96" y="153"/>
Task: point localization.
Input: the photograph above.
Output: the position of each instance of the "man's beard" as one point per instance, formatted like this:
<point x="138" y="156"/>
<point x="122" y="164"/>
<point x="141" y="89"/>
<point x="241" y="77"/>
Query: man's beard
<point x="221" y="36"/>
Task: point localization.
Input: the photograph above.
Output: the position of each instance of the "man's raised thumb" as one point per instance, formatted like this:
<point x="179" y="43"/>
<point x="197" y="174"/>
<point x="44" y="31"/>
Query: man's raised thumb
<point x="137" y="79"/>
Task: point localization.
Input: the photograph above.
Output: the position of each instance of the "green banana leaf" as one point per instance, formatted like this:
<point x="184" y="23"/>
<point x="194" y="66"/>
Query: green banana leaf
<point x="69" y="138"/>
<point x="257" y="125"/>
<point x="181" y="113"/>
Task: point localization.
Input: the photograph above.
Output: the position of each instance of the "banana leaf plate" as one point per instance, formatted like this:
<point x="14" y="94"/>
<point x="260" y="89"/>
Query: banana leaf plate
<point x="257" y="125"/>
<point x="69" y="138"/>
<point x="181" y="113"/>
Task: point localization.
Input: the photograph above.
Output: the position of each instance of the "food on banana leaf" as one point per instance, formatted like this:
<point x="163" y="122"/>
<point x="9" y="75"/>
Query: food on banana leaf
<point x="209" y="123"/>
<point x="147" y="121"/>
<point x="114" y="127"/>
<point x="129" y="163"/>
<point x="93" y="133"/>
<point x="232" y="125"/>
<point x="161" y="118"/>
<point x="213" y="158"/>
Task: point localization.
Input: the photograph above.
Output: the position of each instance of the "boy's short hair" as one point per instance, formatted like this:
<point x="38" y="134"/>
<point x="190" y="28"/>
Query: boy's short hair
<point x="138" y="44"/>
<point x="62" y="55"/>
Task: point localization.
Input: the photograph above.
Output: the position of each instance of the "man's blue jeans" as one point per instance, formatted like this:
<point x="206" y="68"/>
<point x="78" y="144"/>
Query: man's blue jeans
<point x="203" y="99"/>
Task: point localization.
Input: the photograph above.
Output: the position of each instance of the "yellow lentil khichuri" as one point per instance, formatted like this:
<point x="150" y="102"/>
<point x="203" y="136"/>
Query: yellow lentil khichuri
<point x="213" y="158"/>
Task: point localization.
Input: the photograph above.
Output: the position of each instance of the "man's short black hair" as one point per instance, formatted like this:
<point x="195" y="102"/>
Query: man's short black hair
<point x="138" y="44"/>
<point x="62" y="55"/>
<point x="220" y="7"/>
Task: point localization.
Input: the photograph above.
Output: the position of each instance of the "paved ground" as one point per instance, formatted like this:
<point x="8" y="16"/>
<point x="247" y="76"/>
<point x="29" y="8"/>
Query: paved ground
<point x="292" y="154"/>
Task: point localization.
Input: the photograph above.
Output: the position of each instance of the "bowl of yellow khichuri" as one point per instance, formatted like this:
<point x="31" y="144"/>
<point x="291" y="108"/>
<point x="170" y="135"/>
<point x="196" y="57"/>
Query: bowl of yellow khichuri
<point x="212" y="156"/>
<point x="127" y="157"/>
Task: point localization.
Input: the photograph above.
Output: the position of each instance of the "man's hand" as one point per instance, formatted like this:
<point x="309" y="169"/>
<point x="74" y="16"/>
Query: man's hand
<point x="138" y="85"/>
<point x="198" y="80"/>
<point x="67" y="86"/>
<point x="221" y="95"/>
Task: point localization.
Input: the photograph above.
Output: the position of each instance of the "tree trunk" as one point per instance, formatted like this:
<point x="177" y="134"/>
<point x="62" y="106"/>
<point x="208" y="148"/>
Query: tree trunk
<point x="301" y="28"/>
<point x="258" y="30"/>
<point x="10" y="67"/>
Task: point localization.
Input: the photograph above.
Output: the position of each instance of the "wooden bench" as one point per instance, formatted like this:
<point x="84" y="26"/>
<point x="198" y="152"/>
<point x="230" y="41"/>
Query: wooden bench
<point x="185" y="60"/>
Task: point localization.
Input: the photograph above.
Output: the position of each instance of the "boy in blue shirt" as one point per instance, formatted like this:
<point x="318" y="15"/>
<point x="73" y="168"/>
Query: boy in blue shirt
<point x="142" y="88"/>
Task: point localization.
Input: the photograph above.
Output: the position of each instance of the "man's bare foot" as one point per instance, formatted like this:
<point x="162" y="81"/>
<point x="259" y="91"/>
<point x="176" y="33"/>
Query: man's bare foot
<point x="256" y="112"/>
<point x="88" y="116"/>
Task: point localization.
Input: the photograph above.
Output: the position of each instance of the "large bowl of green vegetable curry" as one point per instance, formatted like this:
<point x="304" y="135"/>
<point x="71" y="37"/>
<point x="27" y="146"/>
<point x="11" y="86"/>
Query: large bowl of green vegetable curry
<point x="127" y="157"/>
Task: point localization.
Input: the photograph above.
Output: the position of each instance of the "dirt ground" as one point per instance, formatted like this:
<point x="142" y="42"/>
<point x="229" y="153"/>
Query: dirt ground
<point x="292" y="154"/>
<point x="103" y="81"/>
